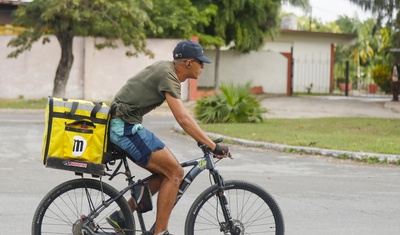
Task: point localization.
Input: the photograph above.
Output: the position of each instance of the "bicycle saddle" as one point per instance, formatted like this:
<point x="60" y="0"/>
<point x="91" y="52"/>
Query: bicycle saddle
<point x="113" y="153"/>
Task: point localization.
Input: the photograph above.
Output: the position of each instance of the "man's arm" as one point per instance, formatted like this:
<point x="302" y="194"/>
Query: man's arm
<point x="186" y="121"/>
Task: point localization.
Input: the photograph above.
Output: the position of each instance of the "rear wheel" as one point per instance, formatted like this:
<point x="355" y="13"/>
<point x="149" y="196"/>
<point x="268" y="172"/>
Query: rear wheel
<point x="252" y="209"/>
<point x="65" y="208"/>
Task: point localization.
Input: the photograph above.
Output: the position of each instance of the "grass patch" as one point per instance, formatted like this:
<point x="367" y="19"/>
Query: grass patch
<point x="23" y="104"/>
<point x="375" y="135"/>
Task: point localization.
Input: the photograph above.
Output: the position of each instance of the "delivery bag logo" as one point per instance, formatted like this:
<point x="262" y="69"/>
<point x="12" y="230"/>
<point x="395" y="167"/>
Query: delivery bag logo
<point x="79" y="147"/>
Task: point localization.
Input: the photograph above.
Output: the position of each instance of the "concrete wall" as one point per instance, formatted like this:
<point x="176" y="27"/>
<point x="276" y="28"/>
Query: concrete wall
<point x="98" y="75"/>
<point x="264" y="68"/>
<point x="311" y="62"/>
<point x="32" y="74"/>
<point x="95" y="75"/>
<point x="107" y="70"/>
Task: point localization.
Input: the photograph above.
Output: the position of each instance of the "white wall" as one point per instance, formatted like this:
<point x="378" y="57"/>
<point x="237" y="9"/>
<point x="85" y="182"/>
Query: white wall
<point x="114" y="68"/>
<point x="312" y="61"/>
<point x="278" y="46"/>
<point x="32" y="74"/>
<point x="95" y="75"/>
<point x="98" y="75"/>
<point x="264" y="68"/>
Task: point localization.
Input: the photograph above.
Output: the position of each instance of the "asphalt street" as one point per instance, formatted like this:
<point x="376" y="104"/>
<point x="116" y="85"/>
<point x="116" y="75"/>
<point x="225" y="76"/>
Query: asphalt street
<point x="317" y="195"/>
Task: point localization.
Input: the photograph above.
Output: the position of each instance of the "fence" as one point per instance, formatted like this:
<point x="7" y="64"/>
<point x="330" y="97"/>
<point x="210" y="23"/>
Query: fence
<point x="312" y="76"/>
<point x="359" y="81"/>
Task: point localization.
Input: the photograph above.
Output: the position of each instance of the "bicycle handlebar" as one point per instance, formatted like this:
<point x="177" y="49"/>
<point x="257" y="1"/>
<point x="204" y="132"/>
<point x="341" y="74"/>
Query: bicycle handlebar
<point x="207" y="150"/>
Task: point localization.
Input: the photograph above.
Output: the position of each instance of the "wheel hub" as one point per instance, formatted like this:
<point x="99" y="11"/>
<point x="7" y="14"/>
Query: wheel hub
<point x="77" y="228"/>
<point x="238" y="228"/>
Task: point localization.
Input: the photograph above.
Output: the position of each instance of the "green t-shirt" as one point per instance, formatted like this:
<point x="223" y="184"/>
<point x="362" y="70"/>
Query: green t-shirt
<point x="146" y="91"/>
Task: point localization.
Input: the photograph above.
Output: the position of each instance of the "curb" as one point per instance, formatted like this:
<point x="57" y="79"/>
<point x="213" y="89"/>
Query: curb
<point x="341" y="154"/>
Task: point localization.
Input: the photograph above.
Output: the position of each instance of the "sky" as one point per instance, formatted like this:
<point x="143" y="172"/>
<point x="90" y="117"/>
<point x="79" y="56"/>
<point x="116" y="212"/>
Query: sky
<point x="329" y="10"/>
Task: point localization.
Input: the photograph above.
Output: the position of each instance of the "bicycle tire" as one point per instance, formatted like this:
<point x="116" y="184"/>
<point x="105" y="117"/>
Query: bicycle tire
<point x="60" y="211"/>
<point x="252" y="209"/>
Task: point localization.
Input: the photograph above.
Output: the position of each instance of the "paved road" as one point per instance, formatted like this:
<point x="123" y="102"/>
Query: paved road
<point x="317" y="195"/>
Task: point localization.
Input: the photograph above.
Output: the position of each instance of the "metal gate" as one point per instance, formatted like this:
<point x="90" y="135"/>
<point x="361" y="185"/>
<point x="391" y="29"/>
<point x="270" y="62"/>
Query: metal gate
<point x="359" y="81"/>
<point x="312" y="75"/>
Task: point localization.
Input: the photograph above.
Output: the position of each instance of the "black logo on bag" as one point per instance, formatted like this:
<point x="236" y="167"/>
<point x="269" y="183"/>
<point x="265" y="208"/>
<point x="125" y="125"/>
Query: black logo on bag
<point x="79" y="147"/>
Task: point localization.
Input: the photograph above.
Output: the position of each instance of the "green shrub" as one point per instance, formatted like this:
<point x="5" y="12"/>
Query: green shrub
<point x="234" y="104"/>
<point x="381" y="75"/>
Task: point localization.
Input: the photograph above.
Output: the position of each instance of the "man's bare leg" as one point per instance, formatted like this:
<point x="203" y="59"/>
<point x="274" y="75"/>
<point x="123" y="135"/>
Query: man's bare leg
<point x="163" y="162"/>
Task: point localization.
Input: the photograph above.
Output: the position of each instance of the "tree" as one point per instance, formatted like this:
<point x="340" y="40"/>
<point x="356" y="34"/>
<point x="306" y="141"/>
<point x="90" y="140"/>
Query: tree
<point x="317" y="25"/>
<point x="304" y="4"/>
<point x="232" y="23"/>
<point x="362" y="50"/>
<point x="384" y="10"/>
<point x="124" y="20"/>
<point x="178" y="19"/>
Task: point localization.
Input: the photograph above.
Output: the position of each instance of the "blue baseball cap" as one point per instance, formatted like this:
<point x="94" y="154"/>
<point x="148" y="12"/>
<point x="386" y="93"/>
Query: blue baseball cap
<point x="190" y="49"/>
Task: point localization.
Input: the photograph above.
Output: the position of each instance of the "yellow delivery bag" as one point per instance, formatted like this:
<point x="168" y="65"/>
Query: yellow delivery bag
<point x="76" y="130"/>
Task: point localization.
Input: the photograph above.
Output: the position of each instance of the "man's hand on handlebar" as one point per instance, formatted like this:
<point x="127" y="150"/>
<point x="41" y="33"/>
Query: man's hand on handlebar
<point x="221" y="151"/>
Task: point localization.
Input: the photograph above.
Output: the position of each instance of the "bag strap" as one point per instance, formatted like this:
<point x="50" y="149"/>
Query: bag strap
<point x="93" y="113"/>
<point x="82" y="122"/>
<point x="96" y="109"/>
<point x="74" y="107"/>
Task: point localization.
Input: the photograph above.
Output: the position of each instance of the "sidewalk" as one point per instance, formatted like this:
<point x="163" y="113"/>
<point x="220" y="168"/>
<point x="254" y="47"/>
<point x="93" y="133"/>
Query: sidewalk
<point x="330" y="106"/>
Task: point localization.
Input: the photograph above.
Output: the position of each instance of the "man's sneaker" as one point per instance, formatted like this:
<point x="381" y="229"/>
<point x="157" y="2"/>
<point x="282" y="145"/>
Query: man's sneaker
<point x="117" y="221"/>
<point x="166" y="233"/>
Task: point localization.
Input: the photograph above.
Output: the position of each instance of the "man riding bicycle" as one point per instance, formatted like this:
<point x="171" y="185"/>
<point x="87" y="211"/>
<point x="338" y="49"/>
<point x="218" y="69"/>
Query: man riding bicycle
<point x="142" y="93"/>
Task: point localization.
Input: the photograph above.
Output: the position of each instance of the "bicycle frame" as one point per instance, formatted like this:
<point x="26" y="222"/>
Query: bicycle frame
<point x="198" y="166"/>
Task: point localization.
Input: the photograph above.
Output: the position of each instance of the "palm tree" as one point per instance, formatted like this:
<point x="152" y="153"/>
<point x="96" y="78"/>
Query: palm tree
<point x="362" y="50"/>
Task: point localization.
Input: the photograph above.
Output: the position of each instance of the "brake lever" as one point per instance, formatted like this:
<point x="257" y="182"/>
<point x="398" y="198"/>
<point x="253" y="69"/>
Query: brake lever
<point x="230" y="156"/>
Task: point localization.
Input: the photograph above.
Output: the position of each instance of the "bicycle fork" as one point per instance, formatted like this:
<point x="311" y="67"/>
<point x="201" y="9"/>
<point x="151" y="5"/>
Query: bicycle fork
<point x="229" y="225"/>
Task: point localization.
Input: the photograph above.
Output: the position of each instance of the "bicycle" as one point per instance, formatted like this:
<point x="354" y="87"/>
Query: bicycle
<point x="235" y="207"/>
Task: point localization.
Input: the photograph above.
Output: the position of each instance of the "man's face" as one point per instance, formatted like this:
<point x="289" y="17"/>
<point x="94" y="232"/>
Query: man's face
<point x="195" y="67"/>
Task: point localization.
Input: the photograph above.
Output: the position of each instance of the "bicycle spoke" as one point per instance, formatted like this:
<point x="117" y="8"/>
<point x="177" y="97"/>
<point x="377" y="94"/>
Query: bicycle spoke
<point x="248" y="205"/>
<point x="67" y="209"/>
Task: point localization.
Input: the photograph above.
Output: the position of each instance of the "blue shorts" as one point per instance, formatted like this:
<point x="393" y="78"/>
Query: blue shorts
<point x="134" y="139"/>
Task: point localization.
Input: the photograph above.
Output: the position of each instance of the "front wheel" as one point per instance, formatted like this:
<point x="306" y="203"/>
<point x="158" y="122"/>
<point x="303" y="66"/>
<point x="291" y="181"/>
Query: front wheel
<point x="64" y="210"/>
<point x="252" y="209"/>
